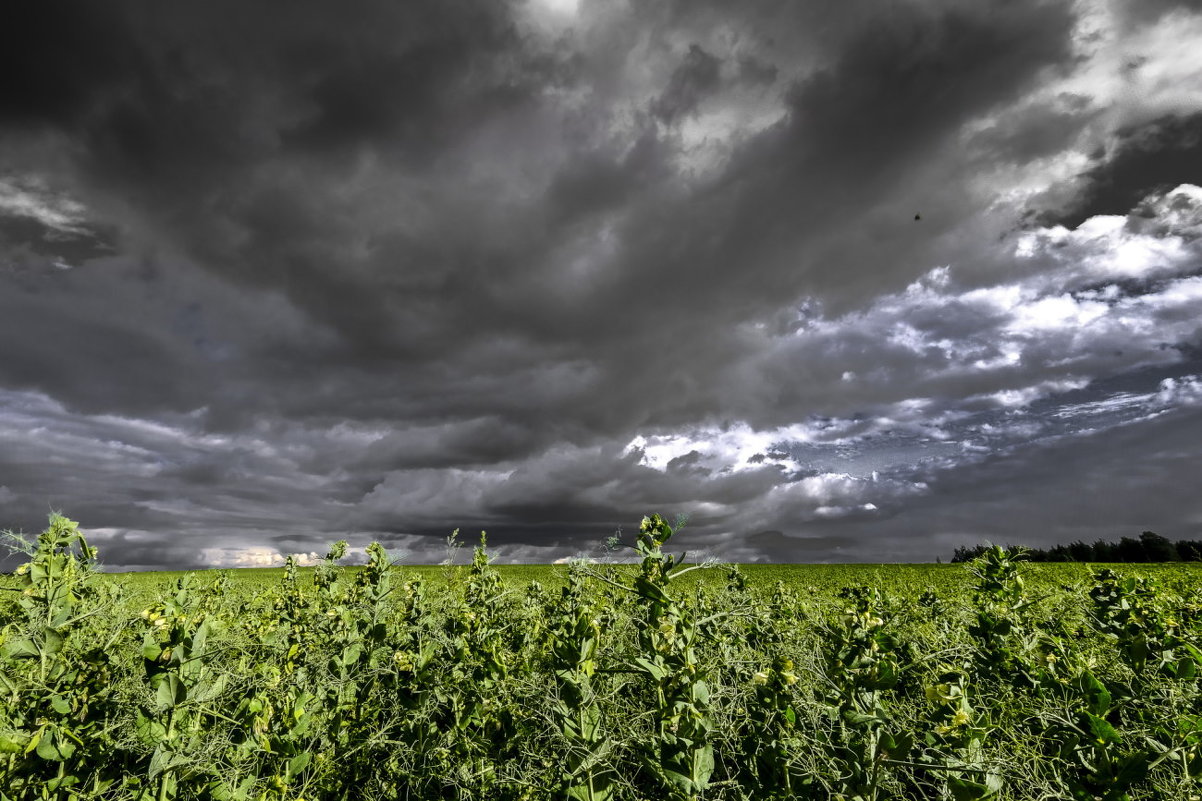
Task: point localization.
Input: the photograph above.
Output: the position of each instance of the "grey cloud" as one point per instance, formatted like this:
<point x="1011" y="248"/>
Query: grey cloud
<point x="1122" y="483"/>
<point x="698" y="74"/>
<point x="440" y="265"/>
<point x="1041" y="130"/>
<point x="1144" y="12"/>
<point x="1156" y="156"/>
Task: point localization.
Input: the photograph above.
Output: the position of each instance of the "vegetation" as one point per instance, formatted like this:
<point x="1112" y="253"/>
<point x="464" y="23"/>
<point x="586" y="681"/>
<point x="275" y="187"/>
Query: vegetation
<point x="999" y="680"/>
<point x="1150" y="547"/>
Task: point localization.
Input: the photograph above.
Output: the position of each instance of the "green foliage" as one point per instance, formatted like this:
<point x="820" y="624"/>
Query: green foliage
<point x="57" y="710"/>
<point x="862" y="670"/>
<point x="681" y="753"/>
<point x="599" y="682"/>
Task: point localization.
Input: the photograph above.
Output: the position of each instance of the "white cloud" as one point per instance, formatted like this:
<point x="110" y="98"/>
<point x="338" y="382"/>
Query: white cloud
<point x="1123" y="76"/>
<point x="1073" y="318"/>
<point x="27" y="196"/>
<point x="719" y="448"/>
<point x="252" y="556"/>
<point x="1184" y="391"/>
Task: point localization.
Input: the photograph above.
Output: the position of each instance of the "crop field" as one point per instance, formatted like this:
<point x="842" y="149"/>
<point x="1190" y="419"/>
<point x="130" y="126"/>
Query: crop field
<point x="654" y="680"/>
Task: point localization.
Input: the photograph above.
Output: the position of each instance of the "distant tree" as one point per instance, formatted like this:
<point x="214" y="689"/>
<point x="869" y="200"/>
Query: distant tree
<point x="1104" y="551"/>
<point x="966" y="554"/>
<point x="1081" y="552"/>
<point x="1149" y="547"/>
<point x="1157" y="548"/>
<point x="1059" y="553"/>
<point x="1131" y="550"/>
<point x="1189" y="551"/>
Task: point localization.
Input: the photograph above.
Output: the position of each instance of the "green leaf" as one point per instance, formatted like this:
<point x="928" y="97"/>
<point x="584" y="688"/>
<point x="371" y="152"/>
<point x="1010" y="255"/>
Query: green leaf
<point x="150" y="731"/>
<point x="150" y="647"/>
<point x="160" y="760"/>
<point x="650" y="591"/>
<point x="703" y="767"/>
<point x="62" y="783"/>
<point x="896" y="746"/>
<point x="966" y="790"/>
<point x="297" y="764"/>
<point x="1103" y="730"/>
<point x="13" y="742"/>
<point x="54" y="642"/>
<point x="1097" y="697"/>
<point x="21" y="649"/>
<point x="657" y="672"/>
<point x="859" y="719"/>
<point x="171" y="691"/>
<point x="54" y="747"/>
<point x="60" y="705"/>
<point x="199" y="638"/>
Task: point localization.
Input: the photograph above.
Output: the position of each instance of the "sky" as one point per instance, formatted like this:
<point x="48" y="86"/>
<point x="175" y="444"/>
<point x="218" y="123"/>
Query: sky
<point x="833" y="281"/>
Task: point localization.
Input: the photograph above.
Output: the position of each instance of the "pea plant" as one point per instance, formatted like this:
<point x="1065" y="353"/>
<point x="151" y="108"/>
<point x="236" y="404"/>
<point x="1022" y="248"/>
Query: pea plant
<point x="175" y="656"/>
<point x="586" y="773"/>
<point x="681" y="753"/>
<point x="1001" y="631"/>
<point x="862" y="667"/>
<point x="603" y="682"/>
<point x="56" y="721"/>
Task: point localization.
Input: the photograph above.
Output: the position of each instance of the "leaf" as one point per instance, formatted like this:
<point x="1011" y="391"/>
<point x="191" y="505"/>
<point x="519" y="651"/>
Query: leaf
<point x="54" y="747"/>
<point x="13" y="742"/>
<point x="150" y="647"/>
<point x="159" y="761"/>
<point x="171" y="692"/>
<point x="897" y="746"/>
<point x="426" y="654"/>
<point x="199" y="638"/>
<point x="650" y="591"/>
<point x="21" y="649"/>
<point x="1103" y="730"/>
<point x="62" y="783"/>
<point x="150" y="731"/>
<point x="966" y="790"/>
<point x="860" y="719"/>
<point x="1097" y="697"/>
<point x="657" y="672"/>
<point x="703" y="767"/>
<point x="297" y="764"/>
<point x="54" y="642"/>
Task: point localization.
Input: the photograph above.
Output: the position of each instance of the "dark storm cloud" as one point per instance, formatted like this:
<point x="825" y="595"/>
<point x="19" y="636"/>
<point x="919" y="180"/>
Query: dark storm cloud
<point x="227" y="128"/>
<point x="278" y="277"/>
<point x="1156" y="156"/>
<point x="697" y="76"/>
<point x="56" y="61"/>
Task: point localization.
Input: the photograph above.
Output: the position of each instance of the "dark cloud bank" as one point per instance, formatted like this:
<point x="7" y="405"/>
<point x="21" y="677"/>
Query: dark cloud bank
<point x="837" y="285"/>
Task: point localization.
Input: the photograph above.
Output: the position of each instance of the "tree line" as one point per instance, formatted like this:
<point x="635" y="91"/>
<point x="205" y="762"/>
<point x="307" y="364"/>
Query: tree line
<point x="1149" y="547"/>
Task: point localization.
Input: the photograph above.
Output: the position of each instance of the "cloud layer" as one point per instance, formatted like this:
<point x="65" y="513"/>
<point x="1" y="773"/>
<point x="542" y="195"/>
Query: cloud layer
<point x="831" y="284"/>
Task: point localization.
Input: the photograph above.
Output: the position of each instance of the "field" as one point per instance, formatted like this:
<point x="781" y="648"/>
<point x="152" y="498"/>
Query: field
<point x="654" y="680"/>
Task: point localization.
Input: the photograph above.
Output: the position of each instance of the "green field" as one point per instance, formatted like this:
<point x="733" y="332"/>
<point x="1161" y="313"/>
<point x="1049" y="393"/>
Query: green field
<point x="997" y="679"/>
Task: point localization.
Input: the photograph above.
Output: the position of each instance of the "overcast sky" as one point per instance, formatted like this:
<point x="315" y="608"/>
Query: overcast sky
<point x="838" y="281"/>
